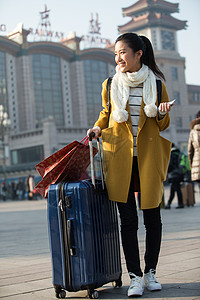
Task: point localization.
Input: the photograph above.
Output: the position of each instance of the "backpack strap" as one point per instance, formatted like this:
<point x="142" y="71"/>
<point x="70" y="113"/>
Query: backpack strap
<point x="159" y="90"/>
<point x="108" y="87"/>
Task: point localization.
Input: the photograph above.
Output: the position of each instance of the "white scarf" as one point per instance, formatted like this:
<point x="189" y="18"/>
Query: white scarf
<point x="120" y="87"/>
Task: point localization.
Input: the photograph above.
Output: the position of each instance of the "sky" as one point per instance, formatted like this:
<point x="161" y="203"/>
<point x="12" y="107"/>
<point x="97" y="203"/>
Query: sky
<point x="73" y="16"/>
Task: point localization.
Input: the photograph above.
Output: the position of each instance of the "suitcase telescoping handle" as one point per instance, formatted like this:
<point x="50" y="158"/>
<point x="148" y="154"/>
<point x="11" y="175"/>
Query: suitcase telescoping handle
<point x="91" y="135"/>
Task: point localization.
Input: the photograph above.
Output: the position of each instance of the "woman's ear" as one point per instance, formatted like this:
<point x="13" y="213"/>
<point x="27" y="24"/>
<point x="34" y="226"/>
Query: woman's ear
<point x="139" y="53"/>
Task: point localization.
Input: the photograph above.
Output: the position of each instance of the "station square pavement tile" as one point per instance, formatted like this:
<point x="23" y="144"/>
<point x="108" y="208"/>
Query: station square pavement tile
<point x="28" y="275"/>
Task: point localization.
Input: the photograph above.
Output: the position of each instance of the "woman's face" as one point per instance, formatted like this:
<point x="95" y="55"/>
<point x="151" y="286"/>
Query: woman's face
<point x="127" y="60"/>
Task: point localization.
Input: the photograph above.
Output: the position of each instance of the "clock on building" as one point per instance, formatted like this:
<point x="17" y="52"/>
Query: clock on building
<point x="168" y="41"/>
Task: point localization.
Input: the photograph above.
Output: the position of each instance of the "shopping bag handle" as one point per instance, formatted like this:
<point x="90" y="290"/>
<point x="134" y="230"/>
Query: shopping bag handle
<point x="85" y="140"/>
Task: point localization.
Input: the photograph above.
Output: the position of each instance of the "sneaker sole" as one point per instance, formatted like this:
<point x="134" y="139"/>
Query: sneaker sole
<point x="136" y="295"/>
<point x="153" y="290"/>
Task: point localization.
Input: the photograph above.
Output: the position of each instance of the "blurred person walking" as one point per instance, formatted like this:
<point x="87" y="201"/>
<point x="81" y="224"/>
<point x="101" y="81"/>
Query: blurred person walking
<point x="30" y="185"/>
<point x="194" y="149"/>
<point x="175" y="177"/>
<point x="20" y="189"/>
<point x="4" y="190"/>
<point x="13" y="190"/>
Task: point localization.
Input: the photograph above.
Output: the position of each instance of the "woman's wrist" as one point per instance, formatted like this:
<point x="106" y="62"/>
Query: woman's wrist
<point x="98" y="128"/>
<point x="161" y="114"/>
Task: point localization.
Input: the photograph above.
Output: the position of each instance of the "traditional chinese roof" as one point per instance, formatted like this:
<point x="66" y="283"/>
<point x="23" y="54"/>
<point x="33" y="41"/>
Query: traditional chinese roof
<point x="151" y="13"/>
<point x="144" y="5"/>
<point x="150" y="19"/>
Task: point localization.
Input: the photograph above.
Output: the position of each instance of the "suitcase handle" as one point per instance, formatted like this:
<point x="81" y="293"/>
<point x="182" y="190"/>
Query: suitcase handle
<point x="91" y="136"/>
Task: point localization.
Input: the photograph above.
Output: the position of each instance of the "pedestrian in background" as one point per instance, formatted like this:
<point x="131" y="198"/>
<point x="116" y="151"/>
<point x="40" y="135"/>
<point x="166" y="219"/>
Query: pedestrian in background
<point x="20" y="189"/>
<point x="194" y="149"/>
<point x="4" y="190"/>
<point x="175" y="177"/>
<point x="30" y="185"/>
<point x="13" y="190"/>
<point x="134" y="151"/>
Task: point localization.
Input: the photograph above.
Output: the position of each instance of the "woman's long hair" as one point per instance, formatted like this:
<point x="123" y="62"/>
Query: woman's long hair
<point x="136" y="43"/>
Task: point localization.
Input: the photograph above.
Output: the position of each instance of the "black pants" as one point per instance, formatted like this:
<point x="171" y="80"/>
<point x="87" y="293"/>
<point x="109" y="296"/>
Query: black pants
<point x="175" y="187"/>
<point x="129" y="227"/>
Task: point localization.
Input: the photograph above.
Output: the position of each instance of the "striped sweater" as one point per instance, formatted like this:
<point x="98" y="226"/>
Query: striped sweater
<point x="135" y="99"/>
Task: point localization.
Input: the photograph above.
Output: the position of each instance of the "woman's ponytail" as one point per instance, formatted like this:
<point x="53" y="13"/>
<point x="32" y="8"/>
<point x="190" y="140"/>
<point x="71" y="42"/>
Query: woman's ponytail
<point x="148" y="57"/>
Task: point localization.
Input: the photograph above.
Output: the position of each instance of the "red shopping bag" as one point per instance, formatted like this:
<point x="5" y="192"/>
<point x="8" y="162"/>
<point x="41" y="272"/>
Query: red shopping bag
<point x="67" y="165"/>
<point x="50" y="162"/>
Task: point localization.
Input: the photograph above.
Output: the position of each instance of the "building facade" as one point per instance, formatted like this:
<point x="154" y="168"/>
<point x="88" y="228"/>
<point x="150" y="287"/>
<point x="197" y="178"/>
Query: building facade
<point x="52" y="94"/>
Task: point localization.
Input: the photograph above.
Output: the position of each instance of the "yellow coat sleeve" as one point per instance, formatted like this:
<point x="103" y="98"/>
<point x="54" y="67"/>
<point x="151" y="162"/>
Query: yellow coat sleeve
<point x="164" y="122"/>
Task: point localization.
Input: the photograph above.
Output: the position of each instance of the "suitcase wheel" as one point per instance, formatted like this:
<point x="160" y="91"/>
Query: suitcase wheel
<point x="60" y="293"/>
<point x="117" y="283"/>
<point x="93" y="294"/>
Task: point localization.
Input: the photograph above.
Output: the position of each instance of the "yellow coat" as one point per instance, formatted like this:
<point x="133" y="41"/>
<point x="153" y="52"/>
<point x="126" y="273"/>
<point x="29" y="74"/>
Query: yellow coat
<point x="153" y="153"/>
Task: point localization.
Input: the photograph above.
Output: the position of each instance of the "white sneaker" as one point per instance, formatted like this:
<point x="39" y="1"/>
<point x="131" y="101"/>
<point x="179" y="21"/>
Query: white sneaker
<point x="151" y="282"/>
<point x="136" y="286"/>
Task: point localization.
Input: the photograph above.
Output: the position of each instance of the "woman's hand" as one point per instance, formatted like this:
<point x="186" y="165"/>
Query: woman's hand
<point x="164" y="108"/>
<point x="96" y="130"/>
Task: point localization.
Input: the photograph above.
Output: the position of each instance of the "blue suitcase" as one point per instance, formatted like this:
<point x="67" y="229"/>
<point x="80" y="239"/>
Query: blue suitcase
<point x="84" y="236"/>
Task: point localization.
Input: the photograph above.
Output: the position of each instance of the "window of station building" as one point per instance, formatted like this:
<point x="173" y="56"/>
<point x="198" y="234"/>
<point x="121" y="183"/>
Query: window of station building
<point x="176" y="95"/>
<point x="196" y="97"/>
<point x="3" y="89"/>
<point x="154" y="39"/>
<point x="27" y="155"/>
<point x="47" y="88"/>
<point x="174" y="73"/>
<point x="2" y="67"/>
<point x="192" y="117"/>
<point x="95" y="72"/>
<point x="179" y="122"/>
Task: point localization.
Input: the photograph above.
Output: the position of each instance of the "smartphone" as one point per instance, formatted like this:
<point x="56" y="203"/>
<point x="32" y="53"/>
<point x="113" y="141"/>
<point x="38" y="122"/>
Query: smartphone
<point x="171" y="103"/>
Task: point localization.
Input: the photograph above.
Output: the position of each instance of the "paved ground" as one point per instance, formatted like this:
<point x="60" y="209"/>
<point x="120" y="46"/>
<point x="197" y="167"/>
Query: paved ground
<point x="25" y="266"/>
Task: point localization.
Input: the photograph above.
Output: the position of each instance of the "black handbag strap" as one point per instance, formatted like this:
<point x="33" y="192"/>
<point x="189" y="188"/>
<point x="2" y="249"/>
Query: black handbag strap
<point x="108" y="87"/>
<point x="159" y="90"/>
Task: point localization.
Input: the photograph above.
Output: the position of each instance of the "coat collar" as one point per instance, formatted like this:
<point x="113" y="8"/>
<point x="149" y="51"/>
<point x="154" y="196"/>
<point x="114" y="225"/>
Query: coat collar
<point x="194" y="122"/>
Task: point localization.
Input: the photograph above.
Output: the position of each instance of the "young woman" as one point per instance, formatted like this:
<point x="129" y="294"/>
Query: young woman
<point x="135" y="156"/>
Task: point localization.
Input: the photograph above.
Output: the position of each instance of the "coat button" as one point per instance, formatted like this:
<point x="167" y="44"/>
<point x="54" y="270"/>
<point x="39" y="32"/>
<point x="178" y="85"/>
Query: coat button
<point x="150" y="139"/>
